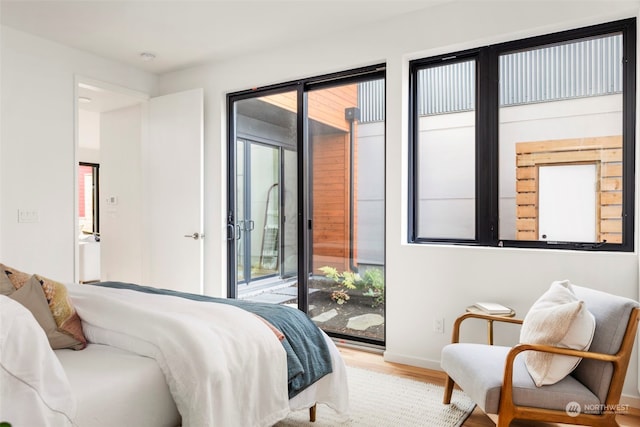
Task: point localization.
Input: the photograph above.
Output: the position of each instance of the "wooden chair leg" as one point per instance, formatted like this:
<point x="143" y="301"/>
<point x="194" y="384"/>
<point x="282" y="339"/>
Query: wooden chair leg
<point x="312" y="414"/>
<point x="448" y="390"/>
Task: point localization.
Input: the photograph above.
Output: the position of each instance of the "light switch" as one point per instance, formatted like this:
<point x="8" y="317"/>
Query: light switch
<point x="28" y="215"/>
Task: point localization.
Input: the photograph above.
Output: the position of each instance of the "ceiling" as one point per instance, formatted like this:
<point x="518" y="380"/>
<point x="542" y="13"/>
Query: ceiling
<point x="184" y="33"/>
<point x="99" y="100"/>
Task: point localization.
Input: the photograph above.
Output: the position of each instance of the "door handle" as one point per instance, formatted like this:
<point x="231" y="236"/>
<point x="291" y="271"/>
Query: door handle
<point x="195" y="236"/>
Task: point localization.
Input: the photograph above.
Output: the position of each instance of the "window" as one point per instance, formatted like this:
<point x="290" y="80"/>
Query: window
<point x="88" y="198"/>
<point x="528" y="143"/>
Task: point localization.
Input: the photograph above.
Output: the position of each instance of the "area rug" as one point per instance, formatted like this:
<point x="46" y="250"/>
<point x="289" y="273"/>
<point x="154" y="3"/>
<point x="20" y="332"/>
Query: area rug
<point x="382" y="400"/>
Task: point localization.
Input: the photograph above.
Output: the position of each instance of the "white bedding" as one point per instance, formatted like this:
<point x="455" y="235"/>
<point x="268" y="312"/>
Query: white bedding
<point x="217" y="377"/>
<point x="34" y="390"/>
<point x="331" y="389"/>
<point x="233" y="378"/>
<point x="114" y="387"/>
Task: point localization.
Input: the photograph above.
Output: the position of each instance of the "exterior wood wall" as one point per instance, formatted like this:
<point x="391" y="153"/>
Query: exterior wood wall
<point x="331" y="201"/>
<point x="604" y="152"/>
<point x="331" y="191"/>
<point x="330" y="172"/>
<point x="325" y="106"/>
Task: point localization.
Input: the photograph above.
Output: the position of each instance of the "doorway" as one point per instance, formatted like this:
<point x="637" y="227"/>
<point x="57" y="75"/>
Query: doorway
<point x="266" y="236"/>
<point x="99" y="212"/>
<point x="151" y="217"/>
<point x="306" y="200"/>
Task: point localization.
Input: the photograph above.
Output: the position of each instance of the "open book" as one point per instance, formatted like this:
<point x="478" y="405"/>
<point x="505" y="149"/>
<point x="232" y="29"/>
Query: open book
<point x="492" y="308"/>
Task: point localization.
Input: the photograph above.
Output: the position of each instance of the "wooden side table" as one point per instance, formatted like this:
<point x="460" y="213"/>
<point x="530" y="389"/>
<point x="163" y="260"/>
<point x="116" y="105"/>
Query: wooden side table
<point x="476" y="310"/>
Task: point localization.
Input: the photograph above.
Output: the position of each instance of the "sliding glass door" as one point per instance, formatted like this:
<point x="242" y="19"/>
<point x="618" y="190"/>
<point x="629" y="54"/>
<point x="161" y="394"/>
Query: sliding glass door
<point x="263" y="223"/>
<point x="346" y="140"/>
<point x="306" y="200"/>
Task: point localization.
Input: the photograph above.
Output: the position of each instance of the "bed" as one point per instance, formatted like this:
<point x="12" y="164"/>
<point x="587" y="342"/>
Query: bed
<point x="158" y="358"/>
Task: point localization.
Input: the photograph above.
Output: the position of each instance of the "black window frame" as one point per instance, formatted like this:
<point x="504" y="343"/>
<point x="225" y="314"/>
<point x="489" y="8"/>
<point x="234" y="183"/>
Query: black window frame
<point x="487" y="137"/>
<point x="95" y="203"/>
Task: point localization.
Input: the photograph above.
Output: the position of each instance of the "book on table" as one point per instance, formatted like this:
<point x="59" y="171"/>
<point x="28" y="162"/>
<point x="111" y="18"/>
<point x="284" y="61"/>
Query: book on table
<point x="492" y="308"/>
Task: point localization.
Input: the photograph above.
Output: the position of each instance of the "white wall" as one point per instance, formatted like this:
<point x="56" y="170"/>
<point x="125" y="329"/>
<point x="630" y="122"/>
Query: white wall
<point x="88" y="136"/>
<point x="423" y="282"/>
<point x="38" y="164"/>
<point x="371" y="193"/>
<point x="447" y="157"/>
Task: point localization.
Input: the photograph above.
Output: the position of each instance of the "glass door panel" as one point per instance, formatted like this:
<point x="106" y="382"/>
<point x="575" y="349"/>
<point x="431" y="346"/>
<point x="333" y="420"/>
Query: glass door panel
<point x="290" y="218"/>
<point x="346" y="291"/>
<point x="240" y="213"/>
<point x="264" y="217"/>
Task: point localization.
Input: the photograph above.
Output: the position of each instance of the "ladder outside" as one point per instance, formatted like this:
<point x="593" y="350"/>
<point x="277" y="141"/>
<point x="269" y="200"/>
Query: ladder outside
<point x="270" y="248"/>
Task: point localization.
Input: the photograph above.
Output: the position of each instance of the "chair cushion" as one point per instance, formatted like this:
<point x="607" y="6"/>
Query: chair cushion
<point x="558" y="318"/>
<point x="479" y="370"/>
<point x="612" y="316"/>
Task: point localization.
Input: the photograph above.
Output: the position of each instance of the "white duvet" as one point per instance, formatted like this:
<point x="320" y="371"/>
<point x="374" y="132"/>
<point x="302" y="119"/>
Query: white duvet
<point x="34" y="389"/>
<point x="224" y="367"/>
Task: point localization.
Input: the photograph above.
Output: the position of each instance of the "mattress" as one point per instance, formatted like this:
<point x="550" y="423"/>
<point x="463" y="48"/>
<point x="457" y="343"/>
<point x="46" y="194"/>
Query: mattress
<point x="101" y="379"/>
<point x="114" y="387"/>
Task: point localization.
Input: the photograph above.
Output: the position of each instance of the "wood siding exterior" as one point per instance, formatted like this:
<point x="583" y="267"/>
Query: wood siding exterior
<point x="331" y="191"/>
<point x="604" y="152"/>
<point x="325" y="106"/>
<point x="330" y="163"/>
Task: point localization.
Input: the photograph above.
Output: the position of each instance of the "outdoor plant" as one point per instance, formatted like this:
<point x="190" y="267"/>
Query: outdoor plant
<point x="371" y="283"/>
<point x="340" y="296"/>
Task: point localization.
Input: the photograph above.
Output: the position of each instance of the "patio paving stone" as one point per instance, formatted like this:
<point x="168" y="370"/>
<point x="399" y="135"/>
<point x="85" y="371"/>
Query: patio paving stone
<point x="327" y="315"/>
<point x="364" y="321"/>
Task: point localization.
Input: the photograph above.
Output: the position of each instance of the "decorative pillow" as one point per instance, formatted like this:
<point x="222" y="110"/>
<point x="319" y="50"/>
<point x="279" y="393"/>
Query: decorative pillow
<point x="6" y="287"/>
<point x="557" y="319"/>
<point x="31" y="296"/>
<point x="17" y="277"/>
<point x="62" y="309"/>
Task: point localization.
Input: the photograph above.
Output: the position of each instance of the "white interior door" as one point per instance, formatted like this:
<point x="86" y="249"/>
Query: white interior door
<point x="567" y="203"/>
<point x="173" y="182"/>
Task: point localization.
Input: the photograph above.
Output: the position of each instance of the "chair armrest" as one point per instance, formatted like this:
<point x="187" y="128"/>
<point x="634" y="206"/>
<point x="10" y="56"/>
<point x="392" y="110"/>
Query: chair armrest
<point x="455" y="336"/>
<point x="507" y="381"/>
<point x="558" y="350"/>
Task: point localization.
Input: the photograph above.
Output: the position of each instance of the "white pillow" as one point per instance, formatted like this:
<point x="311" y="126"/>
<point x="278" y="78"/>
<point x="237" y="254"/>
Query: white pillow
<point x="557" y="319"/>
<point x="35" y="388"/>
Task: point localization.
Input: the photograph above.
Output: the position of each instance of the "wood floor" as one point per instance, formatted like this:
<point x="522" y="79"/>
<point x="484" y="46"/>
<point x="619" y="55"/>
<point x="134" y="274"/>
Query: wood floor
<point x="375" y="362"/>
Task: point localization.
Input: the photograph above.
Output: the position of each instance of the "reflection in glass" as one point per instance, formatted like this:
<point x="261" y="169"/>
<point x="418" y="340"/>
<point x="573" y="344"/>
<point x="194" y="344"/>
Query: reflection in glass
<point x="561" y="142"/>
<point x="265" y="221"/>
<point x="446" y="173"/>
<point x="347" y="145"/>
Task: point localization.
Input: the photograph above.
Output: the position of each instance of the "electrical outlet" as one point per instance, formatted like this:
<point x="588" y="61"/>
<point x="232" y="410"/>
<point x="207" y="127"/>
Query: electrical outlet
<point x="28" y="215"/>
<point x="438" y="325"/>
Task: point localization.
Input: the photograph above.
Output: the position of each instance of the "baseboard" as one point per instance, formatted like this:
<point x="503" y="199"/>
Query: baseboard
<point x="412" y="361"/>
<point x="632" y="401"/>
